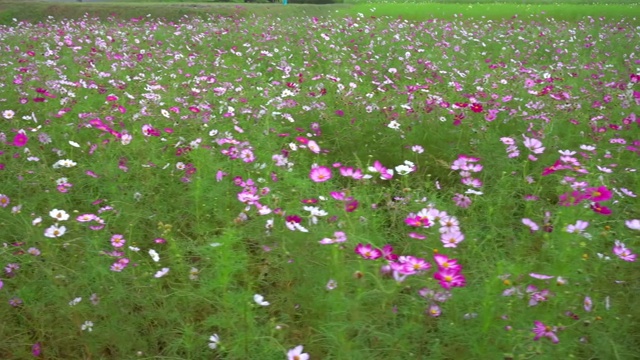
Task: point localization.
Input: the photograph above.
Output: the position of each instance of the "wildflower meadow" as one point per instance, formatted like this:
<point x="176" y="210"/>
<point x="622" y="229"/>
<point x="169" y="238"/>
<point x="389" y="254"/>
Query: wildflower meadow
<point x="331" y="187"/>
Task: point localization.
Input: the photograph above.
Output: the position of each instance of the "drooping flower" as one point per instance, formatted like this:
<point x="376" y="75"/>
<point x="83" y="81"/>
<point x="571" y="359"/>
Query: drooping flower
<point x="600" y="209"/>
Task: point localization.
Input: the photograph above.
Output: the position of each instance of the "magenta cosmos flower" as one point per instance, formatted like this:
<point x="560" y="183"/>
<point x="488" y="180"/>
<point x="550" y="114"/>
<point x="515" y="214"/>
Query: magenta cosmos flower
<point x="542" y="330"/>
<point x="20" y="139"/>
<point x="599" y="194"/>
<point x="320" y="174"/>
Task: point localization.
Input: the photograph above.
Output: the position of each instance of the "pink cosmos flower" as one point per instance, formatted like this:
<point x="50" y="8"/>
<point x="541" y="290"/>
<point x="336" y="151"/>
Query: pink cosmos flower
<point x="313" y="146"/>
<point x="541" y="330"/>
<point x="385" y="174"/>
<point x="449" y="278"/>
<point x="532" y="225"/>
<point x="416" y="221"/>
<point x="451" y="239"/>
<point x="368" y="252"/>
<point x="445" y="263"/>
<point x="434" y="310"/>
<point x="578" y="228"/>
<point x="339" y="195"/>
<point x="297" y="354"/>
<point x="415" y="265"/>
<point x="633" y="224"/>
<point x="4" y="201"/>
<point x="621" y="251"/>
<point x="117" y="241"/>
<point x="462" y="201"/>
<point x="320" y="174"/>
<point x="537" y="296"/>
<point x="587" y="304"/>
<point x="534" y="145"/>
<point x="540" y="276"/>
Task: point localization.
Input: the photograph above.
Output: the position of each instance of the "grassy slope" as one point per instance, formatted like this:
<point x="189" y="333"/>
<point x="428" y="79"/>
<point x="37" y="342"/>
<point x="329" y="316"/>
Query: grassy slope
<point x="39" y="10"/>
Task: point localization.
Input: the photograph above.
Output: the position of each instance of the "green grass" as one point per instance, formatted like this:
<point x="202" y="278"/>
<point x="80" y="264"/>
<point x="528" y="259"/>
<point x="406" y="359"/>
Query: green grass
<point x="496" y="11"/>
<point x="210" y="84"/>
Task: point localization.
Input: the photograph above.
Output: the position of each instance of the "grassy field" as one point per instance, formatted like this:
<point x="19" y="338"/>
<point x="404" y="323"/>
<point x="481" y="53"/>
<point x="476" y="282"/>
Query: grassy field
<point x="339" y="185"/>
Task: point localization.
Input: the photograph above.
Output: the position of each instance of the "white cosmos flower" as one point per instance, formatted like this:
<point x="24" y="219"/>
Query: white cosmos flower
<point x="8" y="114"/>
<point x="214" y="340"/>
<point x="88" y="326"/>
<point x="259" y="299"/>
<point x="154" y="255"/>
<point x="55" y="231"/>
<point x="59" y="215"/>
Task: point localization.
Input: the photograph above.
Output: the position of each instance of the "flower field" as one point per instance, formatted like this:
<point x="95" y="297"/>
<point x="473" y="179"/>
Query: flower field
<point x="345" y="187"/>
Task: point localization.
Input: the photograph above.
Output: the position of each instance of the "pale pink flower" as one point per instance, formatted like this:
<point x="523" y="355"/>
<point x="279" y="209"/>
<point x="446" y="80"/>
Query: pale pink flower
<point x="633" y="224"/>
<point x="451" y="239"/>
<point x="297" y="354"/>
<point x="161" y="273"/>
<point x="578" y="228"/>
<point x="320" y="173"/>
<point x="532" y="225"/>
<point x="534" y="145"/>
